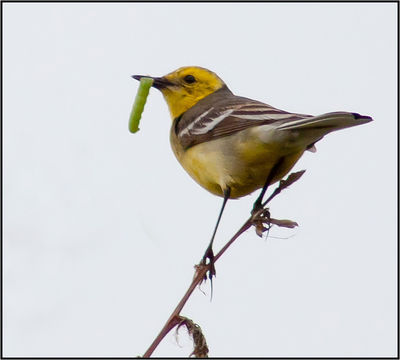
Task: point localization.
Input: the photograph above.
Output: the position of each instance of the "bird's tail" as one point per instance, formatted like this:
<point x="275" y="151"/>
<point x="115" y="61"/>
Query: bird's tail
<point x="326" y="123"/>
<point x="304" y="133"/>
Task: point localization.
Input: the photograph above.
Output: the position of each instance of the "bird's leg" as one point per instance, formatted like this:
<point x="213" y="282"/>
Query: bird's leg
<point x="258" y="203"/>
<point x="209" y="254"/>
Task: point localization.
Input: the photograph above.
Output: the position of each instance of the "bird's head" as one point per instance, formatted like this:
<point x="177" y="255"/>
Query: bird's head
<point x="184" y="87"/>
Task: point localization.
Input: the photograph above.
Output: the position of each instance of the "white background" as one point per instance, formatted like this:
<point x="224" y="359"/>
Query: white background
<point x="102" y="228"/>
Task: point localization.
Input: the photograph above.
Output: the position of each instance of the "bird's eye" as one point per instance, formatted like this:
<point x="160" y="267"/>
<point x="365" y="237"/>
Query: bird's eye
<point x="190" y="79"/>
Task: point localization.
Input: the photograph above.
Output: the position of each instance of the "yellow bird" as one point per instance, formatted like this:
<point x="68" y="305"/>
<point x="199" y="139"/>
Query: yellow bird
<point x="232" y="145"/>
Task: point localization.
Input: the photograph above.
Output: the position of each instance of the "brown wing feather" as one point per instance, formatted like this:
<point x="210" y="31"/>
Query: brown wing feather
<point x="223" y="114"/>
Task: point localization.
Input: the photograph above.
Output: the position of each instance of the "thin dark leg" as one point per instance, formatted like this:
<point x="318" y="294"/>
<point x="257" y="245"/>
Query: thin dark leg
<point x="209" y="254"/>
<point x="258" y="203"/>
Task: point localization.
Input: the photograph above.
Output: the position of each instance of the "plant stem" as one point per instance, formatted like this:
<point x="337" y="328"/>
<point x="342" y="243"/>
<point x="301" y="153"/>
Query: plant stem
<point x="201" y="270"/>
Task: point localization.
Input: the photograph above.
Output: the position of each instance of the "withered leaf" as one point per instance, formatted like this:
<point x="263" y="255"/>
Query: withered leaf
<point x="199" y="341"/>
<point x="284" y="223"/>
<point x="293" y="177"/>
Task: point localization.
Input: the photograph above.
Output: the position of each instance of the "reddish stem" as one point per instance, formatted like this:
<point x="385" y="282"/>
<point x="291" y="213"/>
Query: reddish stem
<point x="201" y="271"/>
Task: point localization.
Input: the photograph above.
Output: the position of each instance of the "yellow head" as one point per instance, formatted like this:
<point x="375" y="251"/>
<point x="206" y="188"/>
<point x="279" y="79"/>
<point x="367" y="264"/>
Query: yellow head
<point x="184" y="87"/>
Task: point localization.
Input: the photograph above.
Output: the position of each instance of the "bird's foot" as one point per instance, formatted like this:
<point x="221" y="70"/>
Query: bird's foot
<point x="209" y="254"/>
<point x="260" y="218"/>
<point x="257" y="207"/>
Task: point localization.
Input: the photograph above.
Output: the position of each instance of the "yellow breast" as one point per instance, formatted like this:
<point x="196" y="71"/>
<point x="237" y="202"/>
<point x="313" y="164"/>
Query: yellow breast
<point x="239" y="161"/>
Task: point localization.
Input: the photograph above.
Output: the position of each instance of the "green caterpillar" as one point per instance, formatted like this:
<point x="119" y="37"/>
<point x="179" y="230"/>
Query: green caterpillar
<point x="138" y="105"/>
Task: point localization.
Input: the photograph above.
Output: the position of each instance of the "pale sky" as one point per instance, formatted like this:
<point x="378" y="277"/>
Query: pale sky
<point x="102" y="228"/>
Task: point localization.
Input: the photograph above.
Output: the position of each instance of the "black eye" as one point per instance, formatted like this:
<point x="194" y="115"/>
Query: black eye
<point x="189" y="79"/>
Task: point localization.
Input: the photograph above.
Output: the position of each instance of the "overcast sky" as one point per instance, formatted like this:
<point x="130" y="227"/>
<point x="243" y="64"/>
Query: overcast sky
<point x="102" y="227"/>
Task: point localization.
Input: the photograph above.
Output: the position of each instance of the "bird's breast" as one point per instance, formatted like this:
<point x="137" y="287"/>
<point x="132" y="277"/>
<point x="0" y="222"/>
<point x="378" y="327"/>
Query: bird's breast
<point x="240" y="161"/>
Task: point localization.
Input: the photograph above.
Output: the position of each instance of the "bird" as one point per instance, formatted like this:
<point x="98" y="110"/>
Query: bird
<point x="232" y="145"/>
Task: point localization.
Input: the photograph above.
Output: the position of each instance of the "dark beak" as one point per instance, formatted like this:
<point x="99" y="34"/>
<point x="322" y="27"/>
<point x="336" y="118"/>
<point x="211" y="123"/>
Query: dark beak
<point x="159" y="82"/>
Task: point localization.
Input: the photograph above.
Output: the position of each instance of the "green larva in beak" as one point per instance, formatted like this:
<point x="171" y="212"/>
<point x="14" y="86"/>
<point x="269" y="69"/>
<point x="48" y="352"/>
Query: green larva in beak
<point x="140" y="101"/>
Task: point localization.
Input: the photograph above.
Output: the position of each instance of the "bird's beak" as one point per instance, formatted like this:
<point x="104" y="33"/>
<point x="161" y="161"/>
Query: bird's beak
<point x="158" y="82"/>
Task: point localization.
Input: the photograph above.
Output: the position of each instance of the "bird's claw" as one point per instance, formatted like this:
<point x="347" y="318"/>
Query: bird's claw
<point x="209" y="254"/>
<point x="260" y="216"/>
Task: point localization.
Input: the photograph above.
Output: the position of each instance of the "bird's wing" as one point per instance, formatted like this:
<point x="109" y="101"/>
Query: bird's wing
<point x="218" y="121"/>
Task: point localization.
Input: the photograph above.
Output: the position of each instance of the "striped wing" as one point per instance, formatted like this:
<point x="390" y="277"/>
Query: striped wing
<point x="213" y="122"/>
